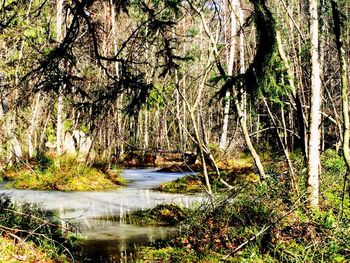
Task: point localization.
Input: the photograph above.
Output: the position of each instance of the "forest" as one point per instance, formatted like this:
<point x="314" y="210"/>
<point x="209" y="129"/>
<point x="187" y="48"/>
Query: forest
<point x="239" y="107"/>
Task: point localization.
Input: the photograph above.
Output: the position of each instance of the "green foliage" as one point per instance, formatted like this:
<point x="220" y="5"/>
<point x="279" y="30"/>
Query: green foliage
<point x="274" y="83"/>
<point x="44" y="161"/>
<point x="330" y="246"/>
<point x="67" y="125"/>
<point x="331" y="182"/>
<point x="50" y="134"/>
<point x="332" y="163"/>
<point x="64" y="173"/>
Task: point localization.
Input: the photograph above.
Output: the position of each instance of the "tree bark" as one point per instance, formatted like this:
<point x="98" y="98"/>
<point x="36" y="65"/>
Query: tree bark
<point x="315" y="107"/>
<point x="344" y="85"/>
<point x="243" y="123"/>
<point x="59" y="38"/>
<point x="33" y="126"/>
<point x="290" y="75"/>
<point x="232" y="47"/>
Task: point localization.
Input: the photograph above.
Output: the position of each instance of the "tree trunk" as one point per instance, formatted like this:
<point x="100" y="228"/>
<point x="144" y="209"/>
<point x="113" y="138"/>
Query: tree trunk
<point x="344" y="84"/>
<point x="33" y="126"/>
<point x="290" y="75"/>
<point x="243" y="123"/>
<point x="59" y="38"/>
<point x="232" y="46"/>
<point x="146" y="136"/>
<point x="284" y="147"/>
<point x="315" y="107"/>
<point x="201" y="152"/>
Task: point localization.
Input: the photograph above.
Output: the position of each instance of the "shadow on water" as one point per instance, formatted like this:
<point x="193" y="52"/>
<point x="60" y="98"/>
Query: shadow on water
<point x="119" y="243"/>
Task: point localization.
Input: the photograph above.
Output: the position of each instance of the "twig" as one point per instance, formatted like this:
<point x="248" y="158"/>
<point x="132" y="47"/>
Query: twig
<point x="265" y="228"/>
<point x="11" y="230"/>
<point x="28" y="166"/>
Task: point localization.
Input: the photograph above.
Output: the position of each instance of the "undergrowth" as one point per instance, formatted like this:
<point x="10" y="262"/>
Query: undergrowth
<point x="266" y="221"/>
<point x="30" y="234"/>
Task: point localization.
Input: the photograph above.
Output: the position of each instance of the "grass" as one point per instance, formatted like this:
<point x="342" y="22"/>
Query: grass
<point x="295" y="234"/>
<point x="14" y="250"/>
<point x="64" y="173"/>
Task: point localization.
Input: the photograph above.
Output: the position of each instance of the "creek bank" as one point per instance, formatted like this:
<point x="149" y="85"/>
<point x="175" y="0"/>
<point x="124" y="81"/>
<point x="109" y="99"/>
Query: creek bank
<point x="64" y="173"/>
<point x="168" y="161"/>
<point x="232" y="172"/>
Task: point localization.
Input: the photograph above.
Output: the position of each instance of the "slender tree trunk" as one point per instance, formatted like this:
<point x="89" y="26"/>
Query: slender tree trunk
<point x="201" y="152"/>
<point x="239" y="105"/>
<point x="243" y="123"/>
<point x="146" y="135"/>
<point x="33" y="126"/>
<point x="290" y="75"/>
<point x="232" y="47"/>
<point x="315" y="107"/>
<point x="284" y="147"/>
<point x="344" y="84"/>
<point x="59" y="38"/>
<point x="181" y="144"/>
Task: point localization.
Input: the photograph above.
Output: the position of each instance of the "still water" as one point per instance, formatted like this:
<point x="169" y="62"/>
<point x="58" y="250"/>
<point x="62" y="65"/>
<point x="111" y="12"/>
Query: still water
<point x="102" y="217"/>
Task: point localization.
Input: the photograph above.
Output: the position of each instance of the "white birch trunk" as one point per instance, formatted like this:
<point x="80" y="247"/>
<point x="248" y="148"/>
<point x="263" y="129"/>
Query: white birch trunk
<point x="315" y="106"/>
<point x="59" y="37"/>
<point x="146" y="136"/>
<point x="232" y="46"/>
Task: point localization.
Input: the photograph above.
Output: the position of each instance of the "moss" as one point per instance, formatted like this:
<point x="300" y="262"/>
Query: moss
<point x="64" y="174"/>
<point x="187" y="184"/>
<point x="233" y="171"/>
<point x="169" y="215"/>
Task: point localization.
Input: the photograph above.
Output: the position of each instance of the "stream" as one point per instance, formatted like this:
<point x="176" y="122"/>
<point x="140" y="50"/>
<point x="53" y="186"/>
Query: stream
<point x="94" y="213"/>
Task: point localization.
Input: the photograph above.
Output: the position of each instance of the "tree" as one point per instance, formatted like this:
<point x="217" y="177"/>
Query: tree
<point x="344" y="89"/>
<point x="59" y="38"/>
<point x="315" y="107"/>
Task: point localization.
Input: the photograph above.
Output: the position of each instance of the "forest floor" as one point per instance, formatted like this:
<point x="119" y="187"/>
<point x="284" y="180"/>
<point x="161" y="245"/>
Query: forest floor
<point x="253" y="221"/>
